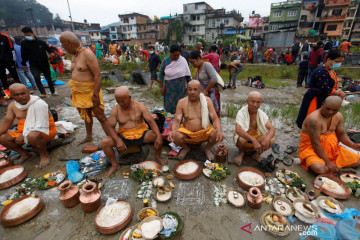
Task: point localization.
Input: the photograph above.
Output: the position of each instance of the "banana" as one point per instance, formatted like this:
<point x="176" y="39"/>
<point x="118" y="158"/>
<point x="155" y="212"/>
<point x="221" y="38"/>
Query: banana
<point x="330" y="204"/>
<point x="269" y="219"/>
<point x="171" y="185"/>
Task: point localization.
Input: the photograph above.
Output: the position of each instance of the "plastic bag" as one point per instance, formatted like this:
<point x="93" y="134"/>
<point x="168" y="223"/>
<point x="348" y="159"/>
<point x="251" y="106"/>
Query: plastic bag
<point x="73" y="171"/>
<point x="346" y="229"/>
<point x="94" y="164"/>
<point x="322" y="231"/>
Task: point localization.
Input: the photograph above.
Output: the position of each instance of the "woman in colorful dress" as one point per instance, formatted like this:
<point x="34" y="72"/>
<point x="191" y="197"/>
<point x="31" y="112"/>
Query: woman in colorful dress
<point x="174" y="75"/>
<point x="323" y="83"/>
<point x="207" y="77"/>
<point x="213" y="57"/>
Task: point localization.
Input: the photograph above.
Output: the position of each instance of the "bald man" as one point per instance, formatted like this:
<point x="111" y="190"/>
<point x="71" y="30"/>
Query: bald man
<point x="321" y="133"/>
<point x="85" y="84"/>
<point x="35" y="126"/>
<point x="199" y="48"/>
<point x="194" y="113"/>
<point x="133" y="130"/>
<point x="256" y="133"/>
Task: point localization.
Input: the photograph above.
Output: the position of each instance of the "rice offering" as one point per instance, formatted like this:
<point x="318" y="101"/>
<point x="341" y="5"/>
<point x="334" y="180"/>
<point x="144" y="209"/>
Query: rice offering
<point x="10" y="174"/>
<point x="159" y="181"/>
<point x="282" y="207"/>
<point x="187" y="168"/>
<point x="299" y="206"/>
<point x="332" y="186"/>
<point x="23" y="207"/>
<point x="148" y="165"/>
<point x="149" y="230"/>
<point x="251" y="178"/>
<point x="237" y="201"/>
<point x="328" y="208"/>
<point x="163" y="197"/>
<point x="113" y="214"/>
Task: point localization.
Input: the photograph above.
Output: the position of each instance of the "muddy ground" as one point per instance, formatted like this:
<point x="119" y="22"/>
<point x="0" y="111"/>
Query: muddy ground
<point x="192" y="200"/>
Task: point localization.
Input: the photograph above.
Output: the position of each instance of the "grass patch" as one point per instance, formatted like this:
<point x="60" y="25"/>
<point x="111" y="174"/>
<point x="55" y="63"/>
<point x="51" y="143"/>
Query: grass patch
<point x="351" y="116"/>
<point x="106" y="83"/>
<point x="156" y="91"/>
<point x="231" y="109"/>
<point x="289" y="113"/>
<point x="350" y="72"/>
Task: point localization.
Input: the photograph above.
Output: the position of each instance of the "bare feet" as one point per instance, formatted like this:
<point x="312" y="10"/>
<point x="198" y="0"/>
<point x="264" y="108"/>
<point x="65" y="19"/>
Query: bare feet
<point x="238" y="159"/>
<point x="256" y="156"/>
<point x="209" y="154"/>
<point x="24" y="157"/>
<point x="44" y="161"/>
<point x="112" y="170"/>
<point x="86" y="139"/>
<point x="183" y="153"/>
<point x="162" y="161"/>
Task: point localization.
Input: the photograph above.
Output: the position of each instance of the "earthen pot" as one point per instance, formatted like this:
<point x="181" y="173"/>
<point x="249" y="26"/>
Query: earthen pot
<point x="254" y="198"/>
<point x="69" y="194"/>
<point x="6" y="162"/>
<point x="90" y="198"/>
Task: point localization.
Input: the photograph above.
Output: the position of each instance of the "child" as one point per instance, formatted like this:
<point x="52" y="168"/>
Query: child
<point x="303" y="67"/>
<point x="237" y="66"/>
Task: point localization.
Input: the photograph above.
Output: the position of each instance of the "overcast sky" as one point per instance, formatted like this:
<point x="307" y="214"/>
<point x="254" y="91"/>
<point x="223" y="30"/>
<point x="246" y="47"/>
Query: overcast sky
<point x="106" y="11"/>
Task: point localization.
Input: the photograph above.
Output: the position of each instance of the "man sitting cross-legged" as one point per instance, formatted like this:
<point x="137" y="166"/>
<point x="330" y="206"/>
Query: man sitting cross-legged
<point x="196" y="110"/>
<point x="254" y="129"/>
<point x="133" y="130"/>
<point x="321" y="133"/>
<point x="35" y="126"/>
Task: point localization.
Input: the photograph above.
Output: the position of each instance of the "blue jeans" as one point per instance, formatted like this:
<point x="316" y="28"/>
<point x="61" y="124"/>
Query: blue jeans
<point x="22" y="74"/>
<point x="236" y="73"/>
<point x="310" y="71"/>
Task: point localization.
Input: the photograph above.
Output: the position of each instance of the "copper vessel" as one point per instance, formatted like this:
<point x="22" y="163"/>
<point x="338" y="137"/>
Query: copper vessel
<point x="69" y="194"/>
<point x="221" y="153"/>
<point x="5" y="161"/>
<point x="254" y="198"/>
<point x="90" y="198"/>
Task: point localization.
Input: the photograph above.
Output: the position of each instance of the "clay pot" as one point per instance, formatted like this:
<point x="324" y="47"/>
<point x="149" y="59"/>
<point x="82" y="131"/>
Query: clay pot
<point x="90" y="198"/>
<point x="254" y="198"/>
<point x="69" y="194"/>
<point x="15" y="180"/>
<point x="6" y="162"/>
<point x="221" y="153"/>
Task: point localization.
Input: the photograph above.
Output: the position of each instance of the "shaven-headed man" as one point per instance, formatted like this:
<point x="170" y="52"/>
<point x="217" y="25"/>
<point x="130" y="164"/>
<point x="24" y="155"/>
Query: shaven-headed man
<point x="85" y="86"/>
<point x="194" y="112"/>
<point x="133" y="130"/>
<point x="35" y="126"/>
<point x="321" y="133"/>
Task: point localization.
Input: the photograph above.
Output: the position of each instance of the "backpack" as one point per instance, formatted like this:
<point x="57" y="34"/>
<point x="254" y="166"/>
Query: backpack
<point x="257" y="82"/>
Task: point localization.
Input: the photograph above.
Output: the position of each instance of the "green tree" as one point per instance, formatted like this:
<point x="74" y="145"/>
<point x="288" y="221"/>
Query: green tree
<point x="14" y="13"/>
<point x="175" y="27"/>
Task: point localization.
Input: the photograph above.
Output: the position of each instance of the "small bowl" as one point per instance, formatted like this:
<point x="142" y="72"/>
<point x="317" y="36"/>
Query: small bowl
<point x="16" y="221"/>
<point x="187" y="176"/>
<point x="144" y="209"/>
<point x="240" y="193"/>
<point x="14" y="180"/>
<point x="246" y="186"/>
<point x="157" y="199"/>
<point x="286" y="201"/>
<point x="163" y="178"/>
<point x="150" y="219"/>
<point x="117" y="227"/>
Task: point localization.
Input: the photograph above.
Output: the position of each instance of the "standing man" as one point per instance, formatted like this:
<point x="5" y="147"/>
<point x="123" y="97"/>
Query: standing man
<point x="295" y="50"/>
<point x="255" y="50"/>
<point x="345" y="46"/>
<point x="305" y="49"/>
<point x="34" y="50"/>
<point x="85" y="85"/>
<point x="153" y="65"/>
<point x="184" y="53"/>
<point x="19" y="67"/>
<point x="199" y="48"/>
<point x="6" y="62"/>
